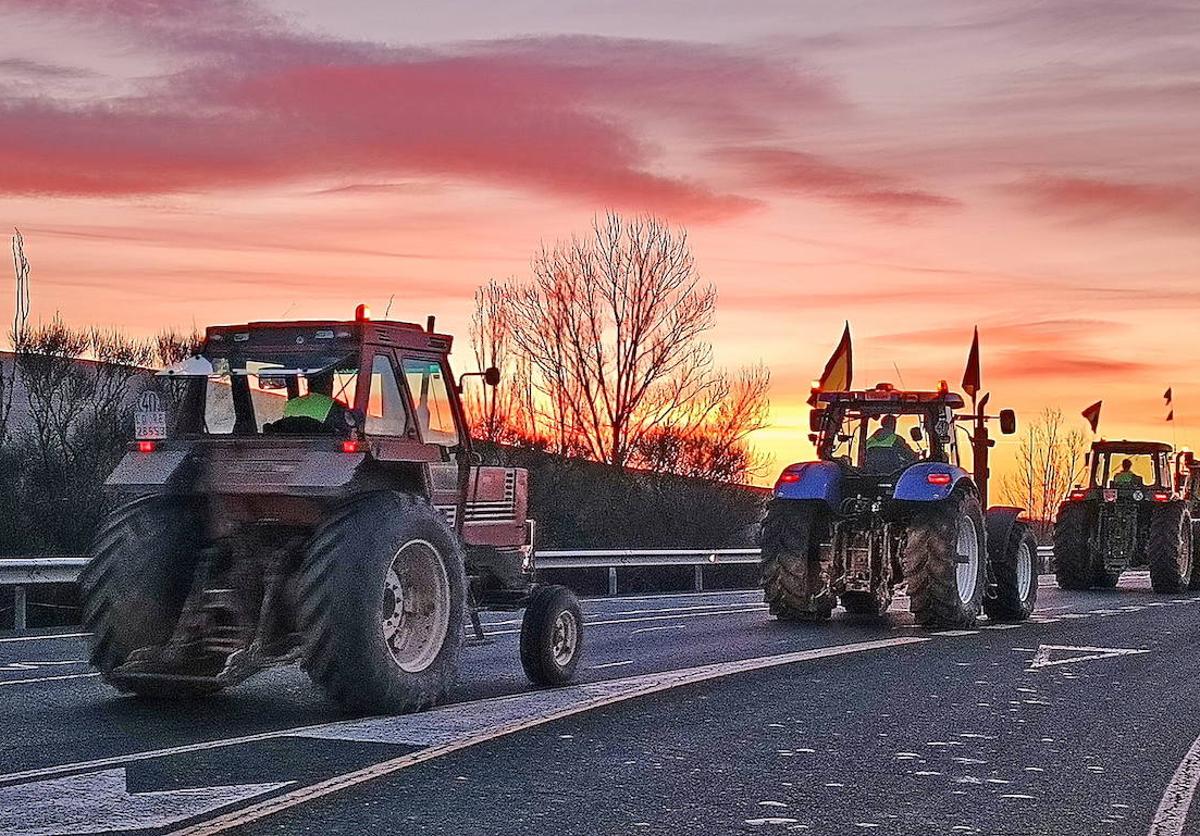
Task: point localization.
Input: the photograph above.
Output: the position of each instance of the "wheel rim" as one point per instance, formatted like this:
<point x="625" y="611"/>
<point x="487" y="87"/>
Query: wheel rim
<point x="1024" y="571"/>
<point x="416" y="606"/>
<point x="966" y="571"/>
<point x="565" y="638"/>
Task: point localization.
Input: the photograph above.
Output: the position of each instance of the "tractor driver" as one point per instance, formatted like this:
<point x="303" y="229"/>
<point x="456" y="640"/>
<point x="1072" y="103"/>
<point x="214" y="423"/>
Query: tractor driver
<point x="886" y="451"/>
<point x="1126" y="478"/>
<point x="319" y="404"/>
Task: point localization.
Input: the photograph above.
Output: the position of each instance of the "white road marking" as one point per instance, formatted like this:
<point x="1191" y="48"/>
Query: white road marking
<point x="469" y="724"/>
<point x="100" y="801"/>
<point x="1172" y="812"/>
<point x="1042" y="659"/>
<point x="656" y="629"/>
<point x="1001" y="626"/>
<point x="954" y="633"/>
<point x="604" y="665"/>
<point x="33" y="666"/>
<point x="4" y="682"/>
<point x="45" y="638"/>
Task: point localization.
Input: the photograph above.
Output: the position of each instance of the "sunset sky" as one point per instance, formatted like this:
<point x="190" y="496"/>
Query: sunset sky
<point x="916" y="168"/>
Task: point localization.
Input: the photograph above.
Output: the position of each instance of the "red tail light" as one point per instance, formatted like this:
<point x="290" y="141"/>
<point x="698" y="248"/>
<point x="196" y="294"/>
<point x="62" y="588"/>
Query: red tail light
<point x="146" y="446"/>
<point x="939" y="478"/>
<point x="1078" y="496"/>
<point x="362" y="313"/>
<point x="787" y="477"/>
<point x="353" y="446"/>
<point x="1161" y="496"/>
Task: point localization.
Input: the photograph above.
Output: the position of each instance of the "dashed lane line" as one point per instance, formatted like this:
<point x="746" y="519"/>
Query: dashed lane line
<point x="46" y="637"/>
<point x="561" y="703"/>
<point x="36" y="680"/>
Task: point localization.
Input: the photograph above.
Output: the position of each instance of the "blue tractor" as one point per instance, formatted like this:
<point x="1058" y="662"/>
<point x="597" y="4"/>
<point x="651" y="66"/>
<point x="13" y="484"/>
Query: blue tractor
<point x="876" y="511"/>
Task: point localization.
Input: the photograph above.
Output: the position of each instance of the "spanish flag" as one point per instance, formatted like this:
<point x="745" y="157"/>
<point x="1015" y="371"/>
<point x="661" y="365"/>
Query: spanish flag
<point x="839" y="371"/>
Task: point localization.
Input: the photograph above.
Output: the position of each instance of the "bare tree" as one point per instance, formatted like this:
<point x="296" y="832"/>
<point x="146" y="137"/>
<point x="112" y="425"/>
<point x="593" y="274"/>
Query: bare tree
<point x="718" y="448"/>
<point x="1049" y="461"/>
<point x="8" y="376"/>
<point x="612" y="325"/>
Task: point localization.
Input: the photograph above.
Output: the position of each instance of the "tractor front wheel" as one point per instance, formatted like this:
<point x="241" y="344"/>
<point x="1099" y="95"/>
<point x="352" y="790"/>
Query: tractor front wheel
<point x="945" y="562"/>
<point x="382" y="602"/>
<point x="551" y="636"/>
<point x="1015" y="571"/>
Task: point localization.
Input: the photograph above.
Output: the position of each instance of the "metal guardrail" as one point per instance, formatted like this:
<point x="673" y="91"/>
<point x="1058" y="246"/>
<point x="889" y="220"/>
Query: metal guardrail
<point x="22" y="572"/>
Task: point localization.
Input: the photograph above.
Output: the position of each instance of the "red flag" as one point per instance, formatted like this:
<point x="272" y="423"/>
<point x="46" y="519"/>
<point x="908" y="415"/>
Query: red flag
<point x="839" y="371"/>
<point x="1092" y="414"/>
<point x="1167" y="396"/>
<point x="1171" y="415"/>
<point x="971" y="377"/>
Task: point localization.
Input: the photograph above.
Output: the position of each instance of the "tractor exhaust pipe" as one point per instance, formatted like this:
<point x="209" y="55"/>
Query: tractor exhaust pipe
<point x="429" y="321"/>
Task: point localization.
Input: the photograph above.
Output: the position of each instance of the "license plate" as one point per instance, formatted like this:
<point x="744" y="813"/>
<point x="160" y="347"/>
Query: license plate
<point x="1110" y="496"/>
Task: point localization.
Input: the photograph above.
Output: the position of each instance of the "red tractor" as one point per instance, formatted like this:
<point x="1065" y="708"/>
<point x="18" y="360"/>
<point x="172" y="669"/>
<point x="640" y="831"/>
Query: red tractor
<point x="307" y="491"/>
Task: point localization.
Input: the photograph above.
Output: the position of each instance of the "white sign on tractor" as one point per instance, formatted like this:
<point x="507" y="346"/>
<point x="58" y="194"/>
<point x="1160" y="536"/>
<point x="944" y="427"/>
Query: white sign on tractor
<point x="150" y="418"/>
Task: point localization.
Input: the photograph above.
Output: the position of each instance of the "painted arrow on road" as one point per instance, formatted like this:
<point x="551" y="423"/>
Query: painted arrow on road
<point x="100" y="801"/>
<point x="1043" y="657"/>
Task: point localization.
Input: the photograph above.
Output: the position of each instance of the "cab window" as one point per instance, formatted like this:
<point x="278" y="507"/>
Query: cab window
<point x="387" y="413"/>
<point x="429" y="387"/>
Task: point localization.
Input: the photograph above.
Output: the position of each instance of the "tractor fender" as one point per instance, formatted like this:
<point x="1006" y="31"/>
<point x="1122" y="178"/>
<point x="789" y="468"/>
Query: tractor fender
<point x="147" y="472"/>
<point x="1000" y="522"/>
<point x="915" y="485"/>
<point x="811" y="480"/>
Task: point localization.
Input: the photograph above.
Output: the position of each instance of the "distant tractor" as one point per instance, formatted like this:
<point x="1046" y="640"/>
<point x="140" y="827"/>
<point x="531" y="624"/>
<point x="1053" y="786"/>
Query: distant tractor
<point x="873" y="512"/>
<point x="1133" y="512"/>
<point x="316" y="499"/>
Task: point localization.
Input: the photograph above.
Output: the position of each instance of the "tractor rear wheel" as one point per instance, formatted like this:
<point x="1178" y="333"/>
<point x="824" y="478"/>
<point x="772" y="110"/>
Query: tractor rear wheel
<point x="1016" y="574"/>
<point x="134" y="588"/>
<point x="1170" y="549"/>
<point x="945" y="562"/>
<point x="382" y="602"/>
<point x="1072" y="556"/>
<point x="790" y="573"/>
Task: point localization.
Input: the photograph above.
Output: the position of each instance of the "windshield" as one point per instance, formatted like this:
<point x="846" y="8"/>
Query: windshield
<point x="1127" y="470"/>
<point x="884" y="441"/>
<point x="250" y="395"/>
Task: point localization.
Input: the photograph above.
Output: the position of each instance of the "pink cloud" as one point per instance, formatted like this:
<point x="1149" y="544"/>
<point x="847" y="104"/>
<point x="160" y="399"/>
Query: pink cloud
<point x="256" y="104"/>
<point x="1092" y="200"/>
<point x="798" y="172"/>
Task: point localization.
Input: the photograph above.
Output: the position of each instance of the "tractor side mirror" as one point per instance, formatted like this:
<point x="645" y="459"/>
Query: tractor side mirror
<point x="814" y="420"/>
<point x="1008" y="422"/>
<point x="491" y="376"/>
<point x="916" y="435"/>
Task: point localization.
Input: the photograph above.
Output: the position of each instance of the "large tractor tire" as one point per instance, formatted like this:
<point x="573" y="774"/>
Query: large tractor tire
<point x="1195" y="584"/>
<point x="1169" y="549"/>
<point x="551" y="636"/>
<point x="789" y="572"/>
<point x="945" y="562"/>
<point x="134" y="588"/>
<point x="382" y="602"/>
<point x="1073" y="567"/>
<point x="1015" y="571"/>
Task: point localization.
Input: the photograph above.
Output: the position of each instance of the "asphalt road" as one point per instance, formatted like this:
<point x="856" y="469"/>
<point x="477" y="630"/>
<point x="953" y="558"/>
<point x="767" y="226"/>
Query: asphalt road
<point x="695" y="714"/>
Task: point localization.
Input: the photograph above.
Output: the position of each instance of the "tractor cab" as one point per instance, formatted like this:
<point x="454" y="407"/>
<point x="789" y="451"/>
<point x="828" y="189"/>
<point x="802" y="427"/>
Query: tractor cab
<point x="883" y="430"/>
<point x="1129" y="470"/>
